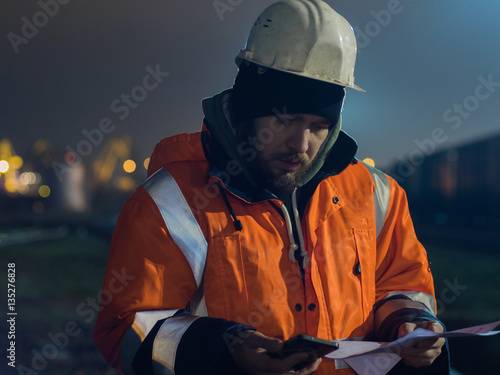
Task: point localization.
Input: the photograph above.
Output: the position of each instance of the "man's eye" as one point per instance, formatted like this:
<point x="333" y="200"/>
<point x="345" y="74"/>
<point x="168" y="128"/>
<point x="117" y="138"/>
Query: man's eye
<point x="322" y="126"/>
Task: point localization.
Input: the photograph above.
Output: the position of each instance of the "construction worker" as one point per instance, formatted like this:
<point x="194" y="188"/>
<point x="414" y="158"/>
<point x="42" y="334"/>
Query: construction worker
<point x="264" y="225"/>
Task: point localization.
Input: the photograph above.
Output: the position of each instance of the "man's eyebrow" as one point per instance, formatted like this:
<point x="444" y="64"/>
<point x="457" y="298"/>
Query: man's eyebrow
<point x="326" y="122"/>
<point x="323" y="121"/>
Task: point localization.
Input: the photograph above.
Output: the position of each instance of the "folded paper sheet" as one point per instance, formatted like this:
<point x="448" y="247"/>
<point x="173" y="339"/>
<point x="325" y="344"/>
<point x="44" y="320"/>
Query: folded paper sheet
<point x="374" y="358"/>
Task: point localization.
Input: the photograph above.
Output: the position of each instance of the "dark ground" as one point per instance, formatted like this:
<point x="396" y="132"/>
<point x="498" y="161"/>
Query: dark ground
<point x="55" y="276"/>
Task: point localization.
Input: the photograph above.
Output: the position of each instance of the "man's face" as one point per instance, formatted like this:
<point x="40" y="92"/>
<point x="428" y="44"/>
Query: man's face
<point x="286" y="147"/>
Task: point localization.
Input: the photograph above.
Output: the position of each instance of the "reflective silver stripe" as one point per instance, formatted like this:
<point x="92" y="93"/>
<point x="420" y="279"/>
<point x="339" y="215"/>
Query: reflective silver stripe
<point x="137" y="332"/>
<point x="198" y="306"/>
<point x="188" y="236"/>
<point x="417" y="296"/>
<point x="183" y="228"/>
<point x="179" y="219"/>
<point x="166" y="343"/>
<point x="381" y="196"/>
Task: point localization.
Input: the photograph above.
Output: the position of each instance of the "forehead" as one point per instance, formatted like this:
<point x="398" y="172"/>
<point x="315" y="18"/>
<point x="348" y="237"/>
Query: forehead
<point x="304" y="117"/>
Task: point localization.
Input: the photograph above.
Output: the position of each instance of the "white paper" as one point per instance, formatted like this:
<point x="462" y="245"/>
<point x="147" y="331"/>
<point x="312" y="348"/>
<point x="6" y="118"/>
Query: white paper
<point x="374" y="358"/>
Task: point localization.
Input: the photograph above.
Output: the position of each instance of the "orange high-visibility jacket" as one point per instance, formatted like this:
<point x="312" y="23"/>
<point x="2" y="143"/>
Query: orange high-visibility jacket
<point x="356" y="229"/>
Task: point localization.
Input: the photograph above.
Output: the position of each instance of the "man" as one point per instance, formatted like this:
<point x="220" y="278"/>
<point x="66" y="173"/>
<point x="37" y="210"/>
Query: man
<point x="264" y="225"/>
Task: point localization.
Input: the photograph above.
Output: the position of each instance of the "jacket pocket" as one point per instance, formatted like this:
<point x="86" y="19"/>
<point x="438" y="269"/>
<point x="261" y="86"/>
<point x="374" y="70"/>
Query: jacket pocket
<point x="364" y="269"/>
<point x="226" y="289"/>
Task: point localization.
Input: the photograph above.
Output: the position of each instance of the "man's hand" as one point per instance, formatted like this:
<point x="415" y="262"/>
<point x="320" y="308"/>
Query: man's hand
<point x="250" y="354"/>
<point x="424" y="352"/>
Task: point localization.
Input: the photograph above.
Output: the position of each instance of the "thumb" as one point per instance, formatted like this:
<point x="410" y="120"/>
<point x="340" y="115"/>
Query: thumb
<point x="432" y="326"/>
<point x="405" y="329"/>
<point x="435" y="327"/>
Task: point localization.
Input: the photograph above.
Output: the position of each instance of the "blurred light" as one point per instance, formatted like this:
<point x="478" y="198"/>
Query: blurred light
<point x="69" y="157"/>
<point x="16" y="162"/>
<point x="369" y="161"/>
<point x="23" y="189"/>
<point x="27" y="178"/>
<point x="38" y="207"/>
<point x="24" y="178"/>
<point x="38" y="178"/>
<point x="4" y="166"/>
<point x="74" y="192"/>
<point x="44" y="191"/>
<point x="11" y="185"/>
<point x="146" y="163"/>
<point x="41" y="145"/>
<point x="125" y="183"/>
<point x="129" y="166"/>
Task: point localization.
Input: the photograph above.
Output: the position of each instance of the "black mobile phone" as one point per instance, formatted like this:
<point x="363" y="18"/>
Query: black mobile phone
<point x="315" y="347"/>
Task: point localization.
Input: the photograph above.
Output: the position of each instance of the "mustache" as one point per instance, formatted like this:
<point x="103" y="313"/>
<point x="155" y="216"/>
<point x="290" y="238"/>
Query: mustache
<point x="292" y="157"/>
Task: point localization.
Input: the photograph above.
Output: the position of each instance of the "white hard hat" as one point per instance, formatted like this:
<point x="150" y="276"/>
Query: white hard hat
<point x="303" y="37"/>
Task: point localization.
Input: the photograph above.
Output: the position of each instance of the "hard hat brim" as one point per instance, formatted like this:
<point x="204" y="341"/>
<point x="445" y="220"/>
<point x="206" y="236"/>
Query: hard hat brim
<point x="239" y="60"/>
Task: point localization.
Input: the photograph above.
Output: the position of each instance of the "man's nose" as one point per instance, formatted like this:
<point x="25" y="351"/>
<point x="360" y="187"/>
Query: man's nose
<point x="299" y="140"/>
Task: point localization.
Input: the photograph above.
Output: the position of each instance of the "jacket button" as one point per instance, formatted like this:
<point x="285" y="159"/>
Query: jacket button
<point x="298" y="307"/>
<point x="311" y="307"/>
<point x="335" y="200"/>
<point x="357" y="269"/>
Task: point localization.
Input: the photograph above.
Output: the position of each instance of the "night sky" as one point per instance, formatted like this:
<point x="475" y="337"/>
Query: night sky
<point x="421" y="67"/>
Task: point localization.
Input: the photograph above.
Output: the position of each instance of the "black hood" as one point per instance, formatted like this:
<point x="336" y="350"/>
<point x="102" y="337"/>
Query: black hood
<point x="228" y="157"/>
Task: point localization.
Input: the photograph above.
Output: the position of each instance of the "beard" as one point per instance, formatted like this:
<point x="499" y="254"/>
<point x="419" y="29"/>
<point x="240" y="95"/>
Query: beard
<point x="280" y="182"/>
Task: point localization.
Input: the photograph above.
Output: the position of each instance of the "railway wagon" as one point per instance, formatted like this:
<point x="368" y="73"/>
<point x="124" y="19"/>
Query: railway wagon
<point x="458" y="186"/>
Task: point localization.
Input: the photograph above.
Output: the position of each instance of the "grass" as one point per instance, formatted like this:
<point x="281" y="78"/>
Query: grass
<point x="467" y="284"/>
<point x="52" y="279"/>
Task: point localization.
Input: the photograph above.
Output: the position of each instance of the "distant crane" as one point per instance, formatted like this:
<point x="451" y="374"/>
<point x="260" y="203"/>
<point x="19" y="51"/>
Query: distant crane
<point x="105" y="166"/>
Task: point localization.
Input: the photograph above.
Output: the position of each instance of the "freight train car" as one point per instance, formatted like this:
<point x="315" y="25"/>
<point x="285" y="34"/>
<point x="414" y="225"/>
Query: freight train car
<point x="457" y="187"/>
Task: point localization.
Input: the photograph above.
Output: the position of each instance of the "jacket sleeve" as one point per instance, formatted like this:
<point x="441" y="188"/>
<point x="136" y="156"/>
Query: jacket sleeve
<point x="403" y="271"/>
<point x="148" y="285"/>
<point x="402" y="264"/>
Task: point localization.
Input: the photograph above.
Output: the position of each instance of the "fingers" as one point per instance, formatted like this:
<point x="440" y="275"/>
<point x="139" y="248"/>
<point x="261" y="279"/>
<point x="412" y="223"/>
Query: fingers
<point x="281" y="366"/>
<point x="251" y="354"/>
<point x="264" y="365"/>
<point x="431" y="325"/>
<point x="258" y="340"/>
<point x="418" y="358"/>
<point x="432" y="342"/>
<point x="309" y="369"/>
<point x="424" y="352"/>
<point x="421" y="355"/>
<point x="286" y="364"/>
